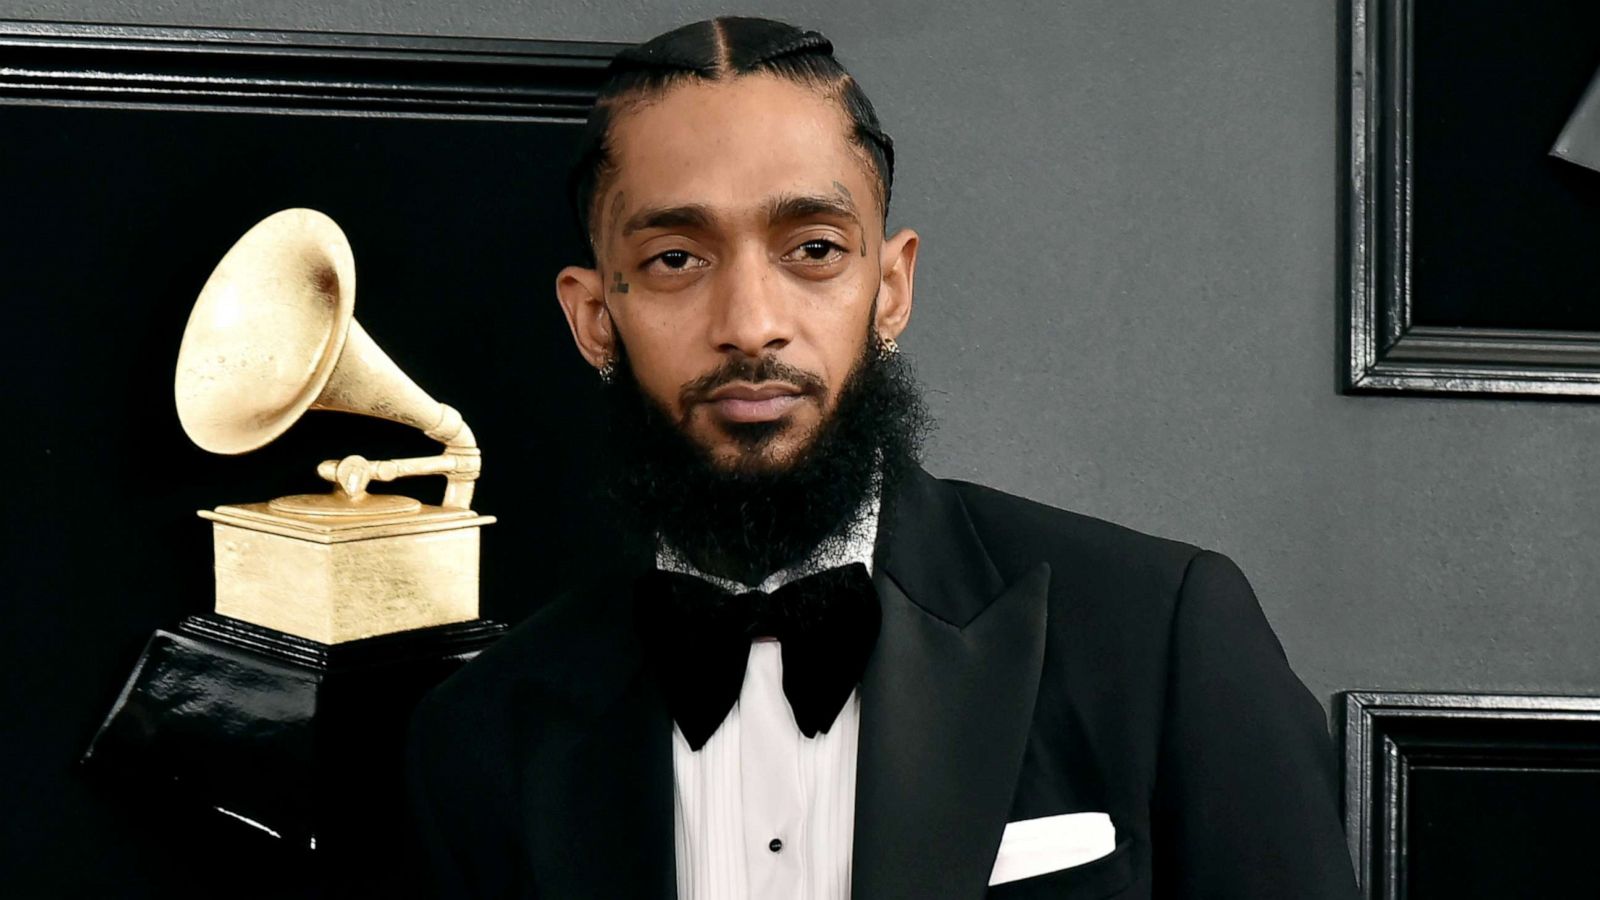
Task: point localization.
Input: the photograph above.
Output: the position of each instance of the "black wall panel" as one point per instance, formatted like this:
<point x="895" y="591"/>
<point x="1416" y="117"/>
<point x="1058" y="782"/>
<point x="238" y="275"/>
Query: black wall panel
<point x="130" y="160"/>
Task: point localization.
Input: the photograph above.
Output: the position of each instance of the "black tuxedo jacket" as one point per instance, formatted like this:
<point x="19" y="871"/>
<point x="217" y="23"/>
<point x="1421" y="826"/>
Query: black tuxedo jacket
<point x="1032" y="662"/>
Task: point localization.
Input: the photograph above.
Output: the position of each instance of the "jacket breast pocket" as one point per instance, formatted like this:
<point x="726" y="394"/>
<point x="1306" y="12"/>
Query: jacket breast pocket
<point x="1100" y="879"/>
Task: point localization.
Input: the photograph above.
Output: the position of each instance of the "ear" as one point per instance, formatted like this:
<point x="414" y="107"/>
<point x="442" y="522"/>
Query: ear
<point x="582" y="295"/>
<point x="899" y="261"/>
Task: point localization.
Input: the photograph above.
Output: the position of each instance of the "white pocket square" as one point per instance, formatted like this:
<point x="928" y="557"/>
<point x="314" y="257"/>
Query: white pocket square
<point x="1039" y="846"/>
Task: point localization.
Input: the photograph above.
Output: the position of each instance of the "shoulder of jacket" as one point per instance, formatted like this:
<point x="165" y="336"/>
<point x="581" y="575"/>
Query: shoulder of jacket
<point x="554" y="641"/>
<point x="1018" y="532"/>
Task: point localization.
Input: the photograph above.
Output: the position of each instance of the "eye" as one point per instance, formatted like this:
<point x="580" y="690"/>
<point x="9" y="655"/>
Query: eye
<point x="816" y="250"/>
<point x="675" y="260"/>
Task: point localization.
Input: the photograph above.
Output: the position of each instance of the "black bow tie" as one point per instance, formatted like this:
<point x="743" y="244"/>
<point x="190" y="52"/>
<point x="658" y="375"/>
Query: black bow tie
<point x="697" y="636"/>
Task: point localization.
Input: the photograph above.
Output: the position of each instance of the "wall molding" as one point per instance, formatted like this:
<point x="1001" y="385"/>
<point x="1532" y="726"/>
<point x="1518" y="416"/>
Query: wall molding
<point x="1385" y="351"/>
<point x="1388" y="736"/>
<point x="298" y="73"/>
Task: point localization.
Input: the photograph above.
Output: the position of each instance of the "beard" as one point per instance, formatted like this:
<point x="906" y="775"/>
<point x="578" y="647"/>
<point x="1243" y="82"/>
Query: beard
<point x="749" y="519"/>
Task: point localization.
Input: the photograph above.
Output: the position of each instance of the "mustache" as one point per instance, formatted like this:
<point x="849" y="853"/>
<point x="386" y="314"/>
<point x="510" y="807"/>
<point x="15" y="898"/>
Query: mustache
<point x="760" y="369"/>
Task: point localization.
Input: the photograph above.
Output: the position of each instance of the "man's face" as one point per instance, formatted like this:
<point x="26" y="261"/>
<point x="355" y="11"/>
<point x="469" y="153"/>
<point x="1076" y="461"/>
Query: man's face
<point x="738" y="263"/>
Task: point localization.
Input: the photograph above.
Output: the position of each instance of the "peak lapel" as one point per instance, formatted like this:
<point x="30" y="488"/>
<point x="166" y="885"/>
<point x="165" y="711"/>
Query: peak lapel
<point x="946" y="703"/>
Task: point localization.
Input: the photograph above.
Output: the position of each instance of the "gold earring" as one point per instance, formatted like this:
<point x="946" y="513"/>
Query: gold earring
<point x="607" y="370"/>
<point x="887" y="347"/>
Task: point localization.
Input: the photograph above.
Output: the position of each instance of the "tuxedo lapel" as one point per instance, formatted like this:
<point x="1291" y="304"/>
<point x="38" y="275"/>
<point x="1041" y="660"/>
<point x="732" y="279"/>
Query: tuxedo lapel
<point x="597" y="782"/>
<point x="946" y="702"/>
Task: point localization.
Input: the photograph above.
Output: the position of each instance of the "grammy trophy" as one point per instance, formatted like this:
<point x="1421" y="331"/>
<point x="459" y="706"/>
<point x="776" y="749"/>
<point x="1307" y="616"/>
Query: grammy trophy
<point x="284" y="709"/>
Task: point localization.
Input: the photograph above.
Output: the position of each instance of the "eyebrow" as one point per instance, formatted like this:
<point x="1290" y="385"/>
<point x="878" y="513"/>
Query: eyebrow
<point x="789" y="207"/>
<point x="692" y="215"/>
<point x="785" y="208"/>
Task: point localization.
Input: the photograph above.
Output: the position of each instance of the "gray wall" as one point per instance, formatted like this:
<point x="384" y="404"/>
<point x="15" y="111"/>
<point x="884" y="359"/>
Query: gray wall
<point x="1127" y="306"/>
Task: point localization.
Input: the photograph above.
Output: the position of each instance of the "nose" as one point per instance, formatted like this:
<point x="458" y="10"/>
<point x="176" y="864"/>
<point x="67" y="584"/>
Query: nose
<point x="750" y="314"/>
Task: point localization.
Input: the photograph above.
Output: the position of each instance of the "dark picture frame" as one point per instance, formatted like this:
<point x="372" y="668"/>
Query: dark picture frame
<point x="1457" y="796"/>
<point x="137" y="155"/>
<point x="134" y="157"/>
<point x="1436" y="269"/>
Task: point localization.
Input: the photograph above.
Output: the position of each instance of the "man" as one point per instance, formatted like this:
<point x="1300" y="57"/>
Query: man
<point x="825" y="673"/>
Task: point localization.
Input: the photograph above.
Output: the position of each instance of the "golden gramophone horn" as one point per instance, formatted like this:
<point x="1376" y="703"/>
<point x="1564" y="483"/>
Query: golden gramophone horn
<point x="272" y="334"/>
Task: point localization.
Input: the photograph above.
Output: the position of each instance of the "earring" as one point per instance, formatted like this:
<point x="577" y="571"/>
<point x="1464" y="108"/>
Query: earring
<point x="887" y="347"/>
<point x="608" y="371"/>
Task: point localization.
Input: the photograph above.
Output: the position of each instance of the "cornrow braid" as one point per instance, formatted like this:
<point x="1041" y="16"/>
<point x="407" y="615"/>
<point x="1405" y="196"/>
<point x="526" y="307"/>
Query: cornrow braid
<point x="767" y="40"/>
<point x="715" y="50"/>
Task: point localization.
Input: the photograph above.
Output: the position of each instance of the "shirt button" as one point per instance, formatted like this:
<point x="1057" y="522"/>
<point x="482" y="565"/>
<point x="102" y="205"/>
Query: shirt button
<point x="775" y="845"/>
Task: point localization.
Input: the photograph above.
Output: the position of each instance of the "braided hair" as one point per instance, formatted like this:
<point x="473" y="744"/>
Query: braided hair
<point x="715" y="50"/>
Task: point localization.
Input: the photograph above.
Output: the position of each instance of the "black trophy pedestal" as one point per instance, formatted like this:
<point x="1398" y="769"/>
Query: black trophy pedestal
<point x="275" y="760"/>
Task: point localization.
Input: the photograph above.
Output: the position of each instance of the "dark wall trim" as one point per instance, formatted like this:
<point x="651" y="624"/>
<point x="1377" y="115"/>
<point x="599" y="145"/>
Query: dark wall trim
<point x="1386" y="735"/>
<point x="1385" y="352"/>
<point x="301" y="73"/>
<point x="132" y="158"/>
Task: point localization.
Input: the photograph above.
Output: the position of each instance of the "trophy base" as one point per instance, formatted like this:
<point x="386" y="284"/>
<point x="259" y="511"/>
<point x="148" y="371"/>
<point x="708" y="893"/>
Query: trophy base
<point x="293" y="745"/>
<point x="333" y="579"/>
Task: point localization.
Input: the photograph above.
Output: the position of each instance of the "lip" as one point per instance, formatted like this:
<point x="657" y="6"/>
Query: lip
<point x="754" y="402"/>
<point x="746" y="391"/>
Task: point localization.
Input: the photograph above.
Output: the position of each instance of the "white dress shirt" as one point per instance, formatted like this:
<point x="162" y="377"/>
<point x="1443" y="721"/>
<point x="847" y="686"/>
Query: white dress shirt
<point x="762" y="812"/>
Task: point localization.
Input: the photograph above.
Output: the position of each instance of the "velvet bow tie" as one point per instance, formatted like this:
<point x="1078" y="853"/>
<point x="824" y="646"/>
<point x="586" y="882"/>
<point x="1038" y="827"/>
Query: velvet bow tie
<point x="697" y="637"/>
